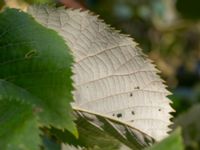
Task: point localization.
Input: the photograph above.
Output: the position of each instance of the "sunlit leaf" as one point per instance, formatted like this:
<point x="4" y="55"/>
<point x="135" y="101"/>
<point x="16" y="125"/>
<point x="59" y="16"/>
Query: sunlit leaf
<point x="112" y="76"/>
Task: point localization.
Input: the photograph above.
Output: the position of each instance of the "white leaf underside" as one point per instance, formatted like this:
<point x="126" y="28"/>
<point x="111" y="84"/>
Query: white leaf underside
<point x="111" y="74"/>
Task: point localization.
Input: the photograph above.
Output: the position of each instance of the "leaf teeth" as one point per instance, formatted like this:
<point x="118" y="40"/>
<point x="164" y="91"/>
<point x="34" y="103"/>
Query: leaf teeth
<point x="20" y="123"/>
<point x="99" y="52"/>
<point x="99" y="20"/>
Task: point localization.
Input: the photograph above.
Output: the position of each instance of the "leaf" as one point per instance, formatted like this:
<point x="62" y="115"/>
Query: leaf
<point x="112" y="76"/>
<point x="190" y="124"/>
<point x="173" y="142"/>
<point x="96" y="123"/>
<point x="37" y="60"/>
<point x="18" y="125"/>
<point x="99" y="132"/>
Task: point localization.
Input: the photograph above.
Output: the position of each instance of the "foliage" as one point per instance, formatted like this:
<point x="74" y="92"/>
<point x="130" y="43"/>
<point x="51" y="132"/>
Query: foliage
<point x="36" y="85"/>
<point x="102" y="132"/>
<point x="169" y="33"/>
<point x="121" y="61"/>
<point x="173" y="142"/>
<point x="189" y="121"/>
<point x="172" y="41"/>
<point x="33" y="76"/>
<point x="18" y="121"/>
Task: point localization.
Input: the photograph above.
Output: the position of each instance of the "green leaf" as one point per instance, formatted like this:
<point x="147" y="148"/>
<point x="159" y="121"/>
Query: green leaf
<point x="18" y="131"/>
<point x="173" y="142"/>
<point x="18" y="126"/>
<point x="190" y="124"/>
<point x="101" y="132"/>
<point x="37" y="60"/>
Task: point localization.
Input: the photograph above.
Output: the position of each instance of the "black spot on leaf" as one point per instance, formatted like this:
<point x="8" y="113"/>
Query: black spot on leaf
<point x="132" y="112"/>
<point x="137" y="87"/>
<point x="131" y="94"/>
<point x="119" y="115"/>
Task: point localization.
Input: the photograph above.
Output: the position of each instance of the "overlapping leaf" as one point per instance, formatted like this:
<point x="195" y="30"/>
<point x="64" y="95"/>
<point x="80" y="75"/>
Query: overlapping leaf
<point x="34" y="70"/>
<point x="190" y="124"/>
<point x="92" y="126"/>
<point x="18" y="125"/>
<point x="173" y="142"/>
<point x="102" y="132"/>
